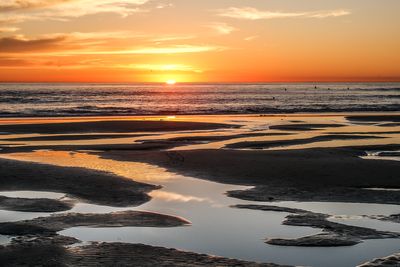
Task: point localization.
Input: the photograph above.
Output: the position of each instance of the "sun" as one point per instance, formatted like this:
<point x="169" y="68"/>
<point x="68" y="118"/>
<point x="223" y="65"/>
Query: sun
<point x="170" y="82"/>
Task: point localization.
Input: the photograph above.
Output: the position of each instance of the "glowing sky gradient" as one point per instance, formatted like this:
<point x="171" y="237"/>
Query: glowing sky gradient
<point x="199" y="41"/>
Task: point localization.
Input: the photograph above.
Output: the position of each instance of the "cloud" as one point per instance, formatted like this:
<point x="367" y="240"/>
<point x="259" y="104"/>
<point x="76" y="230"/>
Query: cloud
<point x="168" y="38"/>
<point x="16" y="5"/>
<point x="250" y="13"/>
<point x="52" y="62"/>
<point x="24" y="10"/>
<point x="164" y="5"/>
<point x="94" y="43"/>
<point x="148" y="50"/>
<point x="59" y="42"/>
<point x="251" y="38"/>
<point x="13" y="62"/>
<point x="8" y="29"/>
<point x="7" y="19"/>
<point x="169" y="196"/>
<point x="327" y="14"/>
<point x="20" y="44"/>
<point x="84" y="7"/>
<point x="163" y="67"/>
<point x="222" y="28"/>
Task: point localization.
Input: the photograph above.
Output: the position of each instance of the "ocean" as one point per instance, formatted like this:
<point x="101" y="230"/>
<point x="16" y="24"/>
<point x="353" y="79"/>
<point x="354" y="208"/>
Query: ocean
<point x="67" y="99"/>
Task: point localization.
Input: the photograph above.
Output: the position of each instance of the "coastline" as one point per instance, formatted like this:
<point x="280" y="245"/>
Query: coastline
<point x="247" y="167"/>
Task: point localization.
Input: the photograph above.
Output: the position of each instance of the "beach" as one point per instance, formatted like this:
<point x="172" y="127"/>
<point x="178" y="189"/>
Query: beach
<point x="199" y="133"/>
<point x="130" y="188"/>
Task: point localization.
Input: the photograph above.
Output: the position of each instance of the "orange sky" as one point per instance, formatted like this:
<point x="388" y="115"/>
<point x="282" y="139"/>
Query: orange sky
<point x="199" y="41"/>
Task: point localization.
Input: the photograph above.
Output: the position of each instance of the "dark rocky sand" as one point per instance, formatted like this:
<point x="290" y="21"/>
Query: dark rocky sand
<point x="74" y="137"/>
<point x="392" y="124"/>
<point x="304" y="127"/>
<point x="389" y="261"/>
<point x="78" y="183"/>
<point x="34" y="205"/>
<point x="111" y="126"/>
<point x="318" y="174"/>
<point x="365" y="132"/>
<point x="333" y="234"/>
<point x="290" y="142"/>
<point x="58" y="222"/>
<point x="41" y="253"/>
<point x="142" y="145"/>
<point x="394" y="218"/>
<point x="374" y="118"/>
<point x="159" y="145"/>
<point x="212" y="138"/>
<point x="391" y="218"/>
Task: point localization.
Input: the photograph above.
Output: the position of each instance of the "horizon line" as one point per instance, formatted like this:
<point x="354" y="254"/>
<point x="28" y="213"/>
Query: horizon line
<point x="178" y="83"/>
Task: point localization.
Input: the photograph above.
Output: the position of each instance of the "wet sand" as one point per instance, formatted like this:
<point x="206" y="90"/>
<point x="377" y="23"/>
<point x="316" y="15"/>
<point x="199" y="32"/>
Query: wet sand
<point x="156" y="145"/>
<point x="335" y="174"/>
<point x="284" y="174"/>
<point x="76" y="137"/>
<point x="303" y="127"/>
<point x="334" y="234"/>
<point x="34" y="205"/>
<point x="107" y="254"/>
<point x="50" y="225"/>
<point x="322" y="138"/>
<point x="112" y="126"/>
<point x="389" y="261"/>
<point x="81" y="184"/>
<point x="374" y="118"/>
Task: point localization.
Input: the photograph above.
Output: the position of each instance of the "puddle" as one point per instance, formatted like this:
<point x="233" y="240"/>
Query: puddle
<point x="367" y="222"/>
<point x="216" y="228"/>
<point x="4" y="240"/>
<point x="382" y="155"/>
<point x="32" y="194"/>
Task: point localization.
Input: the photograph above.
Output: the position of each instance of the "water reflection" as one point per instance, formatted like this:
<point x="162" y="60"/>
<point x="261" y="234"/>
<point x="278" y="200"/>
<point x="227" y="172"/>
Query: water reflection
<point x="4" y="239"/>
<point x="32" y="194"/>
<point x="217" y="228"/>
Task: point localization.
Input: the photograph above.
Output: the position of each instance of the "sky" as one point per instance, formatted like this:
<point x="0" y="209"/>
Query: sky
<point x="199" y="41"/>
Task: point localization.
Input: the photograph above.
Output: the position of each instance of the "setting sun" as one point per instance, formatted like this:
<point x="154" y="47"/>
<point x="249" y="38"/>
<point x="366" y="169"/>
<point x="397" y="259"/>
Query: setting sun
<point x="170" y="82"/>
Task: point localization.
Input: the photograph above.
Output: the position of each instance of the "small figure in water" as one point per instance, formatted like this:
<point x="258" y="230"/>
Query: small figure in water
<point x="315" y="87"/>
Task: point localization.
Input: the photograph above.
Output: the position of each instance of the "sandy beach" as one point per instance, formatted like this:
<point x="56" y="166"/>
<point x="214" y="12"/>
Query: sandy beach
<point x="311" y="158"/>
<point x="199" y="133"/>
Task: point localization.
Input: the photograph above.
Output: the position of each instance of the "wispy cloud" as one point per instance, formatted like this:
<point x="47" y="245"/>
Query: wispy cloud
<point x="164" y="5"/>
<point x="250" y="13"/>
<point x="23" y="10"/>
<point x="165" y="68"/>
<point x="16" y="5"/>
<point x="60" y="41"/>
<point x="8" y="29"/>
<point x="168" y="38"/>
<point x="173" y="49"/>
<point x="7" y="19"/>
<point x="251" y="38"/>
<point x="169" y="196"/>
<point x="20" y="44"/>
<point x="222" y="28"/>
<point x="96" y="43"/>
